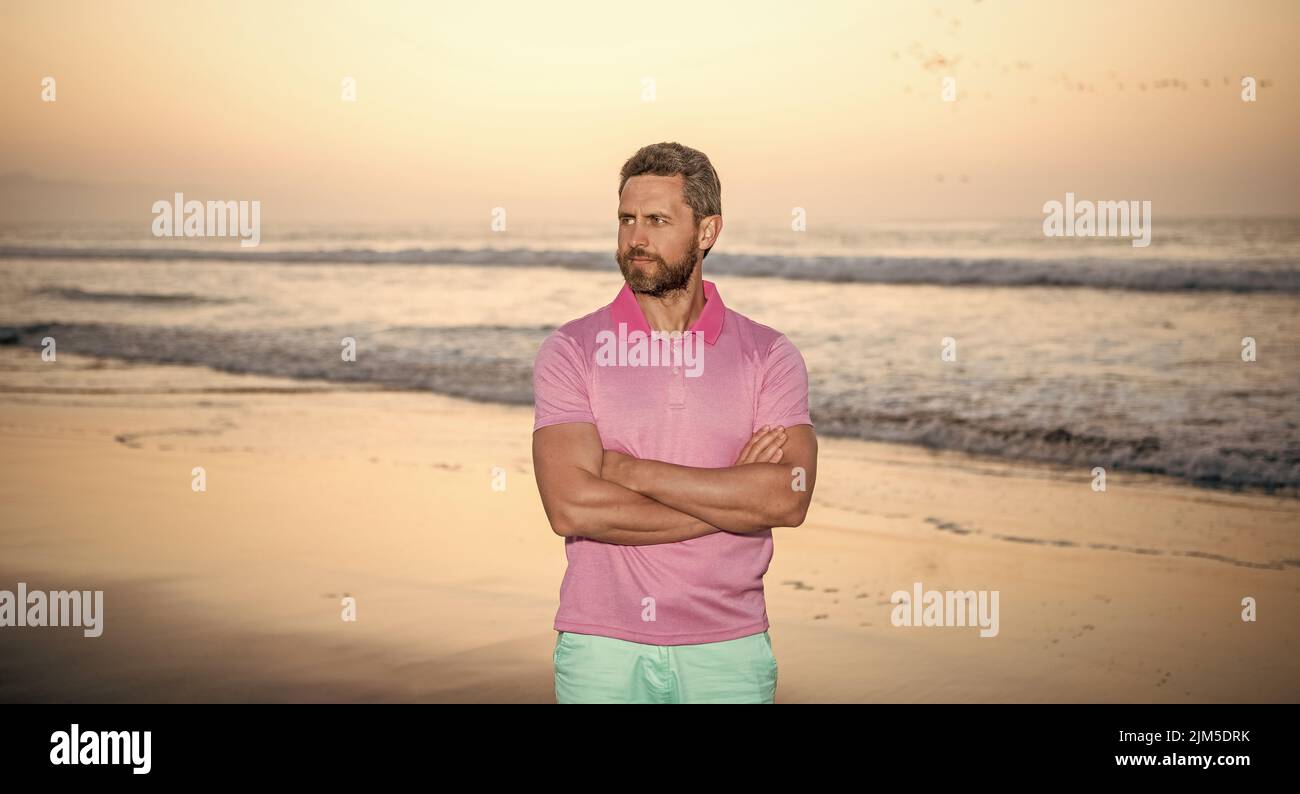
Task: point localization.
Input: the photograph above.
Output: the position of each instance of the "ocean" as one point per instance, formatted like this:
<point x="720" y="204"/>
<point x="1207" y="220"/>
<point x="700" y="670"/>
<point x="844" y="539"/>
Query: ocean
<point x="1075" y="351"/>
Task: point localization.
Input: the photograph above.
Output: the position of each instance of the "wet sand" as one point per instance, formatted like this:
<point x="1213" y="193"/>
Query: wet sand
<point x="316" y="493"/>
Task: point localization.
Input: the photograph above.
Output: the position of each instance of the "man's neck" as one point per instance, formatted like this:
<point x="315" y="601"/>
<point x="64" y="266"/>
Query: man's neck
<point x="676" y="311"/>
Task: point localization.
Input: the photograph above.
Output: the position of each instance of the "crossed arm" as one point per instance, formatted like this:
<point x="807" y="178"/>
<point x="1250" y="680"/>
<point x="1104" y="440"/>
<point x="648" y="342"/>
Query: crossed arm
<point x="591" y="492"/>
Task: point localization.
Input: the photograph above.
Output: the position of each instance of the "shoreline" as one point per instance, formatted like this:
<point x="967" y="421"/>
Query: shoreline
<point x="262" y="383"/>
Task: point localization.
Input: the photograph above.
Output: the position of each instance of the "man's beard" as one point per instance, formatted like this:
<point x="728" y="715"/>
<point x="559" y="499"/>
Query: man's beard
<point x="665" y="279"/>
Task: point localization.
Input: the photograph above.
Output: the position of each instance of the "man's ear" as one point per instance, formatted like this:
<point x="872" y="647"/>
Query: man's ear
<point x="711" y="228"/>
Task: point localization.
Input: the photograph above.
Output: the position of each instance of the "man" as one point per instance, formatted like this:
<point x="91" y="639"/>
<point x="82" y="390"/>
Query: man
<point x="665" y="473"/>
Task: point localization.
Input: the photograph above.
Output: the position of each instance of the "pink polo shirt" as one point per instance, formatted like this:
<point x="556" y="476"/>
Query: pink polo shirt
<point x="706" y="589"/>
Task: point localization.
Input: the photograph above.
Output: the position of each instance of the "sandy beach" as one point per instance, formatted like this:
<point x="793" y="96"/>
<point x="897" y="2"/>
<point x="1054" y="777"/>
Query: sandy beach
<point x="316" y="493"/>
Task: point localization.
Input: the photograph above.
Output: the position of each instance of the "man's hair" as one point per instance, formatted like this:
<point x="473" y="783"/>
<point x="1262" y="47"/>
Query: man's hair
<point x="701" y="186"/>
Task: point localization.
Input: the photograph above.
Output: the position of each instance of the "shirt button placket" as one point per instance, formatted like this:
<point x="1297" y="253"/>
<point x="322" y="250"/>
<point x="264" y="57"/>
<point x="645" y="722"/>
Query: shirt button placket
<point x="677" y="384"/>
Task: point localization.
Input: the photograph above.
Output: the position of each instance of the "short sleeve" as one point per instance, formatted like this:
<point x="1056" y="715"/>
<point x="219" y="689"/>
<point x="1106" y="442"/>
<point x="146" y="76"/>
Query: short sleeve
<point x="783" y="395"/>
<point x="560" y="383"/>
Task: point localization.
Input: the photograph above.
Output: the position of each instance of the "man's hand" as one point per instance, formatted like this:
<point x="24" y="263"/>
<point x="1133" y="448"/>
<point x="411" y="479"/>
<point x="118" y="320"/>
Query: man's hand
<point x="763" y="447"/>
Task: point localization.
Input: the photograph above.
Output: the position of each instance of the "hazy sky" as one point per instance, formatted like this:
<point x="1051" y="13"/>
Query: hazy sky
<point x="835" y="107"/>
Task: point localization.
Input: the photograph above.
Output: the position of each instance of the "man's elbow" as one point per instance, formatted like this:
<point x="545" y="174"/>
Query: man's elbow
<point x="574" y="521"/>
<point x="786" y="515"/>
<point x="796" y="512"/>
<point x="562" y="522"/>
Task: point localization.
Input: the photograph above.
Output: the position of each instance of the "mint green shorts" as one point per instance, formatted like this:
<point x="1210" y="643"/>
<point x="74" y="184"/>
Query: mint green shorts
<point x="594" y="669"/>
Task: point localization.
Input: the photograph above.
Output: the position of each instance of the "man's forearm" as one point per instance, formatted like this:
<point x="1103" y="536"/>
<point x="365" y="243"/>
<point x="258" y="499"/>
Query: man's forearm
<point x="653" y="537"/>
<point x="745" y="498"/>
<point x="608" y="512"/>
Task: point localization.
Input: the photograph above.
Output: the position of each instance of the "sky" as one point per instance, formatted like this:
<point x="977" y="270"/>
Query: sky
<point x="837" y="108"/>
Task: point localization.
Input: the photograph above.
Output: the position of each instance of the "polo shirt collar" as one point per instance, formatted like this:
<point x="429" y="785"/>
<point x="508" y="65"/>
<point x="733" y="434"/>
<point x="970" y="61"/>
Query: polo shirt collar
<point x="627" y="310"/>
